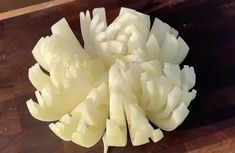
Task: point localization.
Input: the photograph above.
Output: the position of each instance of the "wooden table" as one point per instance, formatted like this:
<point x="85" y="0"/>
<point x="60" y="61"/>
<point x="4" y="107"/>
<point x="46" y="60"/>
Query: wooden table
<point x="208" y="26"/>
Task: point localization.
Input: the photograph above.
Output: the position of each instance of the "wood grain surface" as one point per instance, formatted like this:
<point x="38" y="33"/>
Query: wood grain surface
<point x="7" y="5"/>
<point x="208" y="26"/>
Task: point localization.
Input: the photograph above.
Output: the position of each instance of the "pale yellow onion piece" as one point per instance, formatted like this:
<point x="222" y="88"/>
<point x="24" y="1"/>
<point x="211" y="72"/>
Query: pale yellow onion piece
<point x="100" y="95"/>
<point x="94" y="23"/>
<point x="173" y="100"/>
<point x="37" y="77"/>
<point x="67" y="124"/>
<point x="55" y="101"/>
<point x="59" y="98"/>
<point x="132" y="77"/>
<point x="91" y="114"/>
<point x="157" y="135"/>
<point x="144" y="18"/>
<point x="116" y="106"/>
<point x="188" y="76"/>
<point x="116" y="47"/>
<point x="122" y="38"/>
<point x="139" y="127"/>
<point x="140" y="20"/>
<point x="116" y="111"/>
<point x="112" y="31"/>
<point x="100" y="37"/>
<point x="65" y="130"/>
<point x="137" y="56"/>
<point x="85" y="20"/>
<point x="127" y="19"/>
<point x="87" y="136"/>
<point x="135" y="38"/>
<point x="57" y="44"/>
<point x="190" y="96"/>
<point x="92" y="123"/>
<point x="139" y="139"/>
<point x="172" y="72"/>
<point x="57" y="72"/>
<point x="152" y="69"/>
<point x="91" y="28"/>
<point x="183" y="50"/>
<point x="40" y="113"/>
<point x="94" y="68"/>
<point x="144" y="77"/>
<point x="40" y="99"/>
<point x="38" y="55"/>
<point x="108" y="57"/>
<point x="173" y="50"/>
<point x="94" y="109"/>
<point x="62" y="28"/>
<point x="176" y="51"/>
<point x="169" y="49"/>
<point x="159" y="30"/>
<point x="101" y="13"/>
<point x="152" y="48"/>
<point x="173" y="120"/>
<point x="134" y="42"/>
<point x="89" y="33"/>
<point x="152" y="66"/>
<point x="116" y="135"/>
<point x="157" y="90"/>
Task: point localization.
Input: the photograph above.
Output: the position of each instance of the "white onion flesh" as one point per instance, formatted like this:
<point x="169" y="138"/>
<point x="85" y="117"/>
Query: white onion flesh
<point x="125" y="76"/>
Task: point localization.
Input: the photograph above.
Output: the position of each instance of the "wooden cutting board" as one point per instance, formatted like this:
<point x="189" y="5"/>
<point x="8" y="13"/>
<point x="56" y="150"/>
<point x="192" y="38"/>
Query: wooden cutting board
<point x="208" y="26"/>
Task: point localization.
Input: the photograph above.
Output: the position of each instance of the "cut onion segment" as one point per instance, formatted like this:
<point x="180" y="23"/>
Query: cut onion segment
<point x="116" y="135"/>
<point x="158" y="91"/>
<point x="152" y="66"/>
<point x="152" y="48"/>
<point x="65" y="129"/>
<point x="173" y="120"/>
<point x="160" y="29"/>
<point x="87" y="136"/>
<point x="169" y="49"/>
<point x="42" y="114"/>
<point x="101" y="13"/>
<point x="157" y="135"/>
<point x="126" y="18"/>
<point x="143" y="17"/>
<point x="173" y="100"/>
<point x="172" y="72"/>
<point x="117" y="120"/>
<point x="88" y="112"/>
<point x="37" y="77"/>
<point x="62" y="28"/>
<point x="188" y="76"/>
<point x="38" y="55"/>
